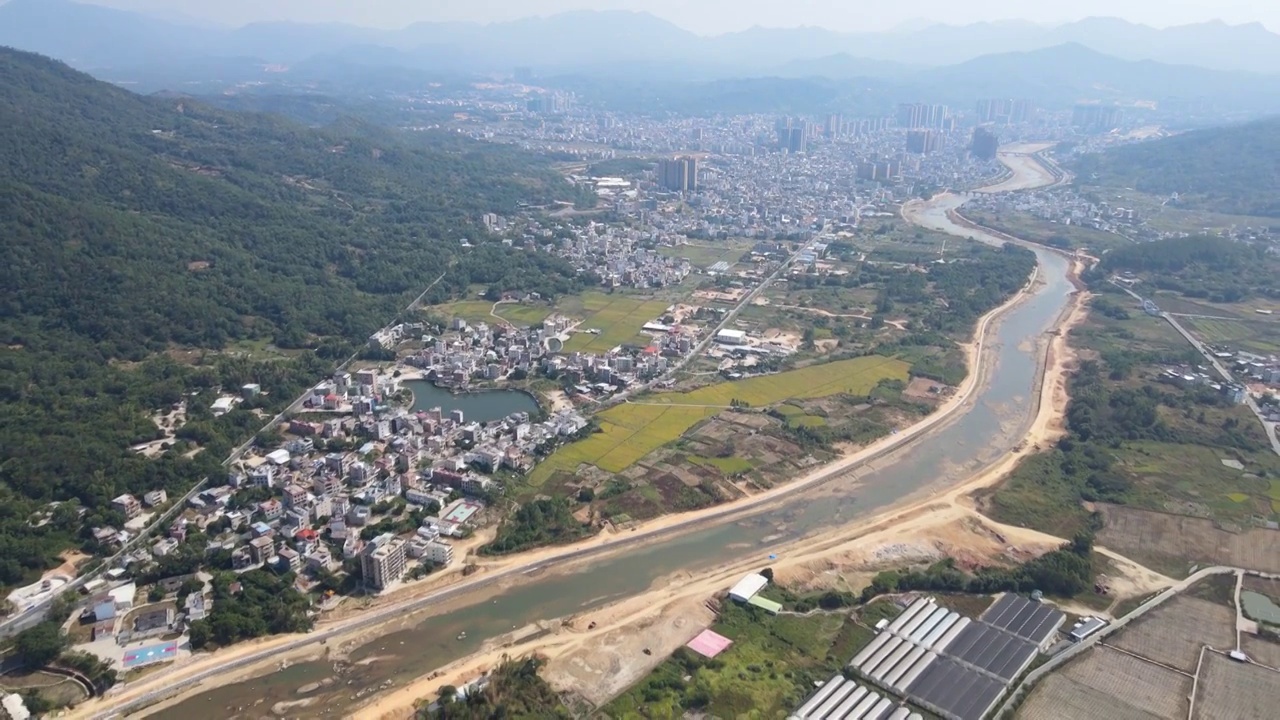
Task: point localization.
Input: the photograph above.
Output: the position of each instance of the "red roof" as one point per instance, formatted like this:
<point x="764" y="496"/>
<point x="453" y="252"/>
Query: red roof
<point x="306" y="534"/>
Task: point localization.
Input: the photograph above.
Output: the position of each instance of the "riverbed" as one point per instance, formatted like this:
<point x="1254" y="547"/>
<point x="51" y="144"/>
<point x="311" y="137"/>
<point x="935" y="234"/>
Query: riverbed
<point x="982" y="432"/>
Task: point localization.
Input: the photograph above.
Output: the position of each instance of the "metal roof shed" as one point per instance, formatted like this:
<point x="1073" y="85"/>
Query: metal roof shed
<point x="747" y="587"/>
<point x="765" y="604"/>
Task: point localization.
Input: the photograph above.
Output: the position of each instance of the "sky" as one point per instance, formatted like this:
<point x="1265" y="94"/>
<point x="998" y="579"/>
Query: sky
<point x="715" y="16"/>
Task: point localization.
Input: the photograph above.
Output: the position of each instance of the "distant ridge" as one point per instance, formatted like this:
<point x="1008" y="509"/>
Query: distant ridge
<point x="96" y="38"/>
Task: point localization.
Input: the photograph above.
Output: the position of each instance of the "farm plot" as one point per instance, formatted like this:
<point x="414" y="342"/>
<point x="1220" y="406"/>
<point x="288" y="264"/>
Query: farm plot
<point x="1059" y="697"/>
<point x="1122" y="682"/>
<point x="857" y="376"/>
<point x="1261" y="650"/>
<point x="704" y="256"/>
<point x="633" y="430"/>
<point x="1145" y="534"/>
<point x="618" y="320"/>
<point x="1259" y="337"/>
<point x="1228" y="689"/>
<point x="1174" y="633"/>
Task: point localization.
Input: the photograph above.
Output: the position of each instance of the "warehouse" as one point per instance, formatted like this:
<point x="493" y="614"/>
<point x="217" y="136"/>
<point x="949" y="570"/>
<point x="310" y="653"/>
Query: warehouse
<point x="731" y="337"/>
<point x="747" y="587"/>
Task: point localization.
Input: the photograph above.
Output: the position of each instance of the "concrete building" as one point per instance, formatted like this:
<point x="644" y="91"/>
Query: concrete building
<point x="731" y="337"/>
<point x="127" y="505"/>
<point x="383" y="561"/>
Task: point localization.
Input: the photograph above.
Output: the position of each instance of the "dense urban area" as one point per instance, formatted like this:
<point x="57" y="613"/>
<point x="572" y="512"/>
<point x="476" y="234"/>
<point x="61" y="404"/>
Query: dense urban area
<point x="283" y="357"/>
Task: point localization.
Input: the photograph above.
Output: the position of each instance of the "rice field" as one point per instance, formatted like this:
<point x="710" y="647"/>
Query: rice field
<point x="633" y="430"/>
<point x="618" y="318"/>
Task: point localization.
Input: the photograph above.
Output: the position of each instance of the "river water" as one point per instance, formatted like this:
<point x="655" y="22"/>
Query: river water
<point x="476" y="406"/>
<point x="989" y="427"/>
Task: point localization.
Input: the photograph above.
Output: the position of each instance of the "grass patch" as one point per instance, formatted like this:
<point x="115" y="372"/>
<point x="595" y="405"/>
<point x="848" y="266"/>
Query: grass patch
<point x="726" y="465"/>
<point x="630" y="431"/>
<point x="807" y="421"/>
<point x="526" y="315"/>
<point x="618" y="318"/>
<point x="704" y="256"/>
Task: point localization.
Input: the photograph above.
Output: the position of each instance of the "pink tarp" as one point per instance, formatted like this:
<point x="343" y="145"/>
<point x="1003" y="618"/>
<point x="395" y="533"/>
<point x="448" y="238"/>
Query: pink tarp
<point x="709" y="644"/>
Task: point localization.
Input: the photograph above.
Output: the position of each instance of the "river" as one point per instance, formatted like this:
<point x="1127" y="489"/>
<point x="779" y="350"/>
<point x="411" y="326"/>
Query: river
<point x="982" y="432"/>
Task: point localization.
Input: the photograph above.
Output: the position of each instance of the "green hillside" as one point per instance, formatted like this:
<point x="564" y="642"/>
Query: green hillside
<point x="1233" y="170"/>
<point x="134" y="226"/>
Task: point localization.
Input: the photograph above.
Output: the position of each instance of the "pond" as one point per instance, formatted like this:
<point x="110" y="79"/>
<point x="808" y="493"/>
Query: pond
<point x="477" y="406"/>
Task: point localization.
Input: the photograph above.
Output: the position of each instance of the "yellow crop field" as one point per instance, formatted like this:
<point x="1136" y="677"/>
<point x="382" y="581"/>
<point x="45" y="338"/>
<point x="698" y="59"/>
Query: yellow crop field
<point x="631" y="431"/>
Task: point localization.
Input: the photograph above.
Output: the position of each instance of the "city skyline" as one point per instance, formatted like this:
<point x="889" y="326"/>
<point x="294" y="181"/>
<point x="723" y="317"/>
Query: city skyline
<point x="707" y="18"/>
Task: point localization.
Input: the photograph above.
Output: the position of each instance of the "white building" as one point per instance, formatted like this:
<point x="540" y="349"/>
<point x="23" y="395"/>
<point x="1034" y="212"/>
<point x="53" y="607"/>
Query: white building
<point x="731" y="337"/>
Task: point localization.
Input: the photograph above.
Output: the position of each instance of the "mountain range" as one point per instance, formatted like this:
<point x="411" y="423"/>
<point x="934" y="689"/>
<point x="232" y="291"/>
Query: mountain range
<point x="97" y="38"/>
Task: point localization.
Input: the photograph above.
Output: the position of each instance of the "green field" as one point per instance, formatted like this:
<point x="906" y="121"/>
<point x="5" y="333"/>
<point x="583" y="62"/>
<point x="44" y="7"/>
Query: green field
<point x="524" y="315"/>
<point x="854" y="377"/>
<point x="619" y="319"/>
<point x="726" y="465"/>
<point x="704" y="256"/>
<point x="631" y="431"/>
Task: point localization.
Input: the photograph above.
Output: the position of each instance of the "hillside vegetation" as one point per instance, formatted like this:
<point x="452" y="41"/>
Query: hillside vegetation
<point x="134" y="226"/>
<point x="1232" y="170"/>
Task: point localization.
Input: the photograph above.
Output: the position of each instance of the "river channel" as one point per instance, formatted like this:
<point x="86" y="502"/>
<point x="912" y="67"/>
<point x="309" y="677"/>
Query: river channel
<point x="979" y="434"/>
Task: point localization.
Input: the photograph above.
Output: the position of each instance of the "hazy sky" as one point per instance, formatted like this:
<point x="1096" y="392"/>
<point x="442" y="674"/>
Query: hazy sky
<point x="715" y="16"/>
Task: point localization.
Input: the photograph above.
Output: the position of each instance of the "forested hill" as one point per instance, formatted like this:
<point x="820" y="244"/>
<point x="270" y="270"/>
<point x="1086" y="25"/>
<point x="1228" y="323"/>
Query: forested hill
<point x="1232" y="170"/>
<point x="146" y="220"/>
<point x="134" y="225"/>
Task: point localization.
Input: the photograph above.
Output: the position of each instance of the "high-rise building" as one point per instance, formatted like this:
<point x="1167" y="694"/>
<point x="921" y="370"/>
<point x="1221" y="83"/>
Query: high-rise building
<point x="922" y="142"/>
<point x="835" y="126"/>
<point x="984" y="145"/>
<point x="1003" y="111"/>
<point x="922" y="115"/>
<point x="679" y="174"/>
<point x="793" y="135"/>
<point x="1096" y="118"/>
<point x="383" y="561"/>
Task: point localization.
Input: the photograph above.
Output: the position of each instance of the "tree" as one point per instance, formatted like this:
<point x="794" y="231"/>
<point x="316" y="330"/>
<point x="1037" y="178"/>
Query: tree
<point x="40" y="645"/>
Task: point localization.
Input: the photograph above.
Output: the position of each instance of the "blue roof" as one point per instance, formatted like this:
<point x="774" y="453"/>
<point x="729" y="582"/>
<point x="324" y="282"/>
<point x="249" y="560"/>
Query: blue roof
<point x="104" y="611"/>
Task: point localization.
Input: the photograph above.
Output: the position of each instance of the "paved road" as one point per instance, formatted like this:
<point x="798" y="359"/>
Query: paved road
<point x="1268" y="427"/>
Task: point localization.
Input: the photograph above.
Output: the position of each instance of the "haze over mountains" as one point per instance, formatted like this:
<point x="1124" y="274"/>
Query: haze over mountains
<point x="97" y="38"/>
